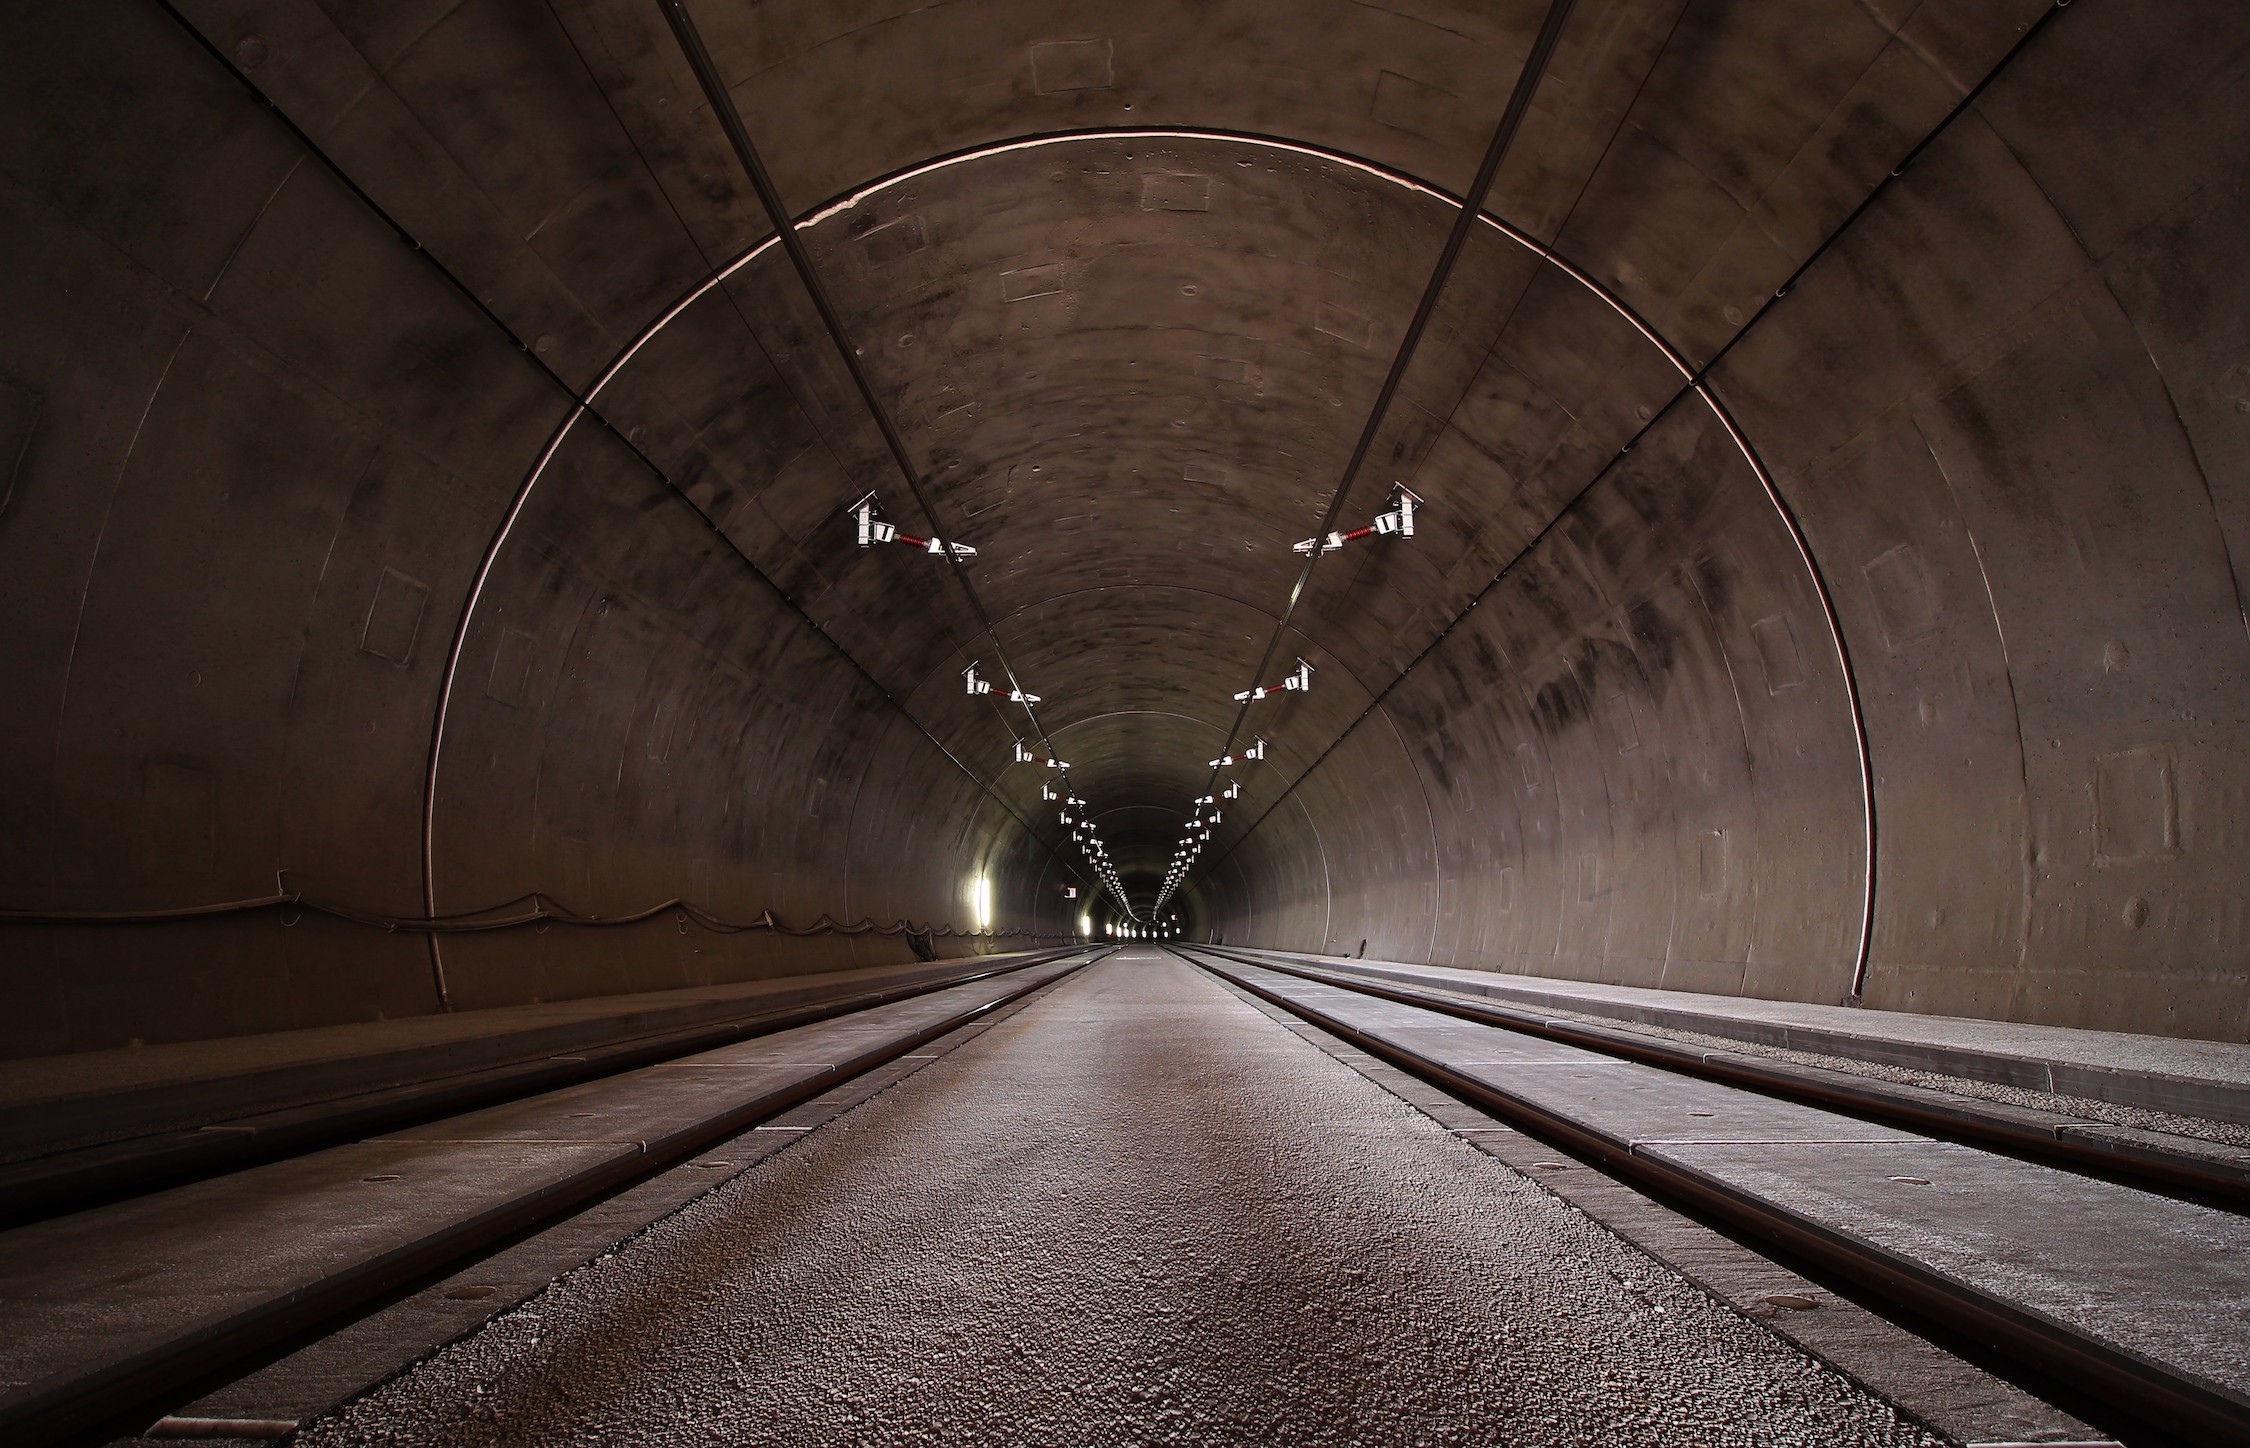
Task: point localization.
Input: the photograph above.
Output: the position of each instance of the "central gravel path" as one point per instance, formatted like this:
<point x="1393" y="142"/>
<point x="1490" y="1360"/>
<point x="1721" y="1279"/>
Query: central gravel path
<point x="1137" y="1211"/>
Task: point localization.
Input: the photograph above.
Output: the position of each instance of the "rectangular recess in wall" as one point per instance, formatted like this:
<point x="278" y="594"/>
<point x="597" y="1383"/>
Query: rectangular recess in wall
<point x="1589" y="875"/>
<point x="2136" y="807"/>
<point x="1024" y="283"/>
<point x="1504" y="889"/>
<point x="1222" y="369"/>
<point x="1342" y="323"/>
<point x="661" y="725"/>
<point x="394" y="617"/>
<point x="894" y="239"/>
<point x="1906" y="603"/>
<point x="1624" y="731"/>
<point x="1406" y="104"/>
<point x="1777" y="652"/>
<point x="1711" y="862"/>
<point x="510" y="680"/>
<point x="1071" y="65"/>
<point x="1527" y="762"/>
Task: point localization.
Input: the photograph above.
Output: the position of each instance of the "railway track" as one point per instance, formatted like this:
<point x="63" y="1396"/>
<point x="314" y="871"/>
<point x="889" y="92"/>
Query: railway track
<point x="110" y="1313"/>
<point x="2120" y="1275"/>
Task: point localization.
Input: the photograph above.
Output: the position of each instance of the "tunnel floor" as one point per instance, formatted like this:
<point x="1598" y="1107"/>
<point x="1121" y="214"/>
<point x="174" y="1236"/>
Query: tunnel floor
<point x="1138" y="1210"/>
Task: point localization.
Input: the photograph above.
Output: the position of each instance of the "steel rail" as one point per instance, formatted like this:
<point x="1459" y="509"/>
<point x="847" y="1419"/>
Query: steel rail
<point x="2013" y="1131"/>
<point x="83" y="1177"/>
<point x="2129" y="1382"/>
<point x="1464" y="224"/>
<point x="68" y="1409"/>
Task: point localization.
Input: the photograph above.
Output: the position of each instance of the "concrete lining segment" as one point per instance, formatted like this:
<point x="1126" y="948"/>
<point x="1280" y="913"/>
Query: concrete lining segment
<point x="124" y="1301"/>
<point x="2188" y="1077"/>
<point x="2131" y="1258"/>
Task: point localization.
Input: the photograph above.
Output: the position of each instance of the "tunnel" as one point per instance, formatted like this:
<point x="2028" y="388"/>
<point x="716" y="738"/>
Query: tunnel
<point x="571" y="505"/>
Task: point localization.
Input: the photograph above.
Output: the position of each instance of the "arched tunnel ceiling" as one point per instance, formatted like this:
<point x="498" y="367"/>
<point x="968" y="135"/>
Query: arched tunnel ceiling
<point x="1135" y="364"/>
<point x="1759" y="679"/>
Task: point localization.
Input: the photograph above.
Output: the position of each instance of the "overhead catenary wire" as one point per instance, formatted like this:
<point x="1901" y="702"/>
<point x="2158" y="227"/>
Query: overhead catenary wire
<point x="1472" y="207"/>
<point x="582" y="406"/>
<point x="707" y="77"/>
<point x="1697" y="382"/>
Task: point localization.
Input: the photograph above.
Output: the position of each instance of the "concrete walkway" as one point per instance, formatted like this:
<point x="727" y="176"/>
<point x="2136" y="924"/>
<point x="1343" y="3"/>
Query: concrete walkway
<point x="2161" y="1073"/>
<point x="1137" y="1211"/>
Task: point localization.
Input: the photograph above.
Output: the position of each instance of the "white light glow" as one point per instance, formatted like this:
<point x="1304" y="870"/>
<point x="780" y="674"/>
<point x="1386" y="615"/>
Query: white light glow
<point x="980" y="896"/>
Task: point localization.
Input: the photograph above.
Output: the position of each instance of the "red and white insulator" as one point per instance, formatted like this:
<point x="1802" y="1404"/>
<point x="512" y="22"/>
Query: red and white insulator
<point x="976" y="685"/>
<point x="1396" y="521"/>
<point x="1298" y="682"/>
<point x="871" y="530"/>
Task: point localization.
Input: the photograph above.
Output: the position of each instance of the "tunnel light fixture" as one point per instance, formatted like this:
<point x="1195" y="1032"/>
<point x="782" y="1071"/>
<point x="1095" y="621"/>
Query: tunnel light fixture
<point x="1298" y="682"/>
<point x="1232" y="791"/>
<point x="1046" y="791"/>
<point x="981" y="897"/>
<point x="870" y="529"/>
<point x="976" y="685"/>
<point x="1397" y="521"/>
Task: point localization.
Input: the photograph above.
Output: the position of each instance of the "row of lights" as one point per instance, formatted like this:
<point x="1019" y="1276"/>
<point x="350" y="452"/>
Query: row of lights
<point x="1198" y="832"/>
<point x="1396" y="521"/>
<point x="870" y="529"/>
<point x="1167" y="931"/>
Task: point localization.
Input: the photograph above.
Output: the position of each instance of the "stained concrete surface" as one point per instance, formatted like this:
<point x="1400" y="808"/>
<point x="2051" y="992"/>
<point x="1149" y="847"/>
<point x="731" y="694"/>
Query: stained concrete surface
<point x="88" y="1297"/>
<point x="1138" y="1211"/>
<point x="2106" y="1261"/>
<point x="302" y="571"/>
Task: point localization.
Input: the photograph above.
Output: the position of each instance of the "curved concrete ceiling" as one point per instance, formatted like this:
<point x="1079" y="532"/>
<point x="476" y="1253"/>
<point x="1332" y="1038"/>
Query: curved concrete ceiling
<point x="1827" y="584"/>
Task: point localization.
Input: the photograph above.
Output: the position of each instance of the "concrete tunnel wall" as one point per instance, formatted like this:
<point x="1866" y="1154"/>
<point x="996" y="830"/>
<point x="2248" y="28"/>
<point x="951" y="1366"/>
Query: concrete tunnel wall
<point x="1950" y="530"/>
